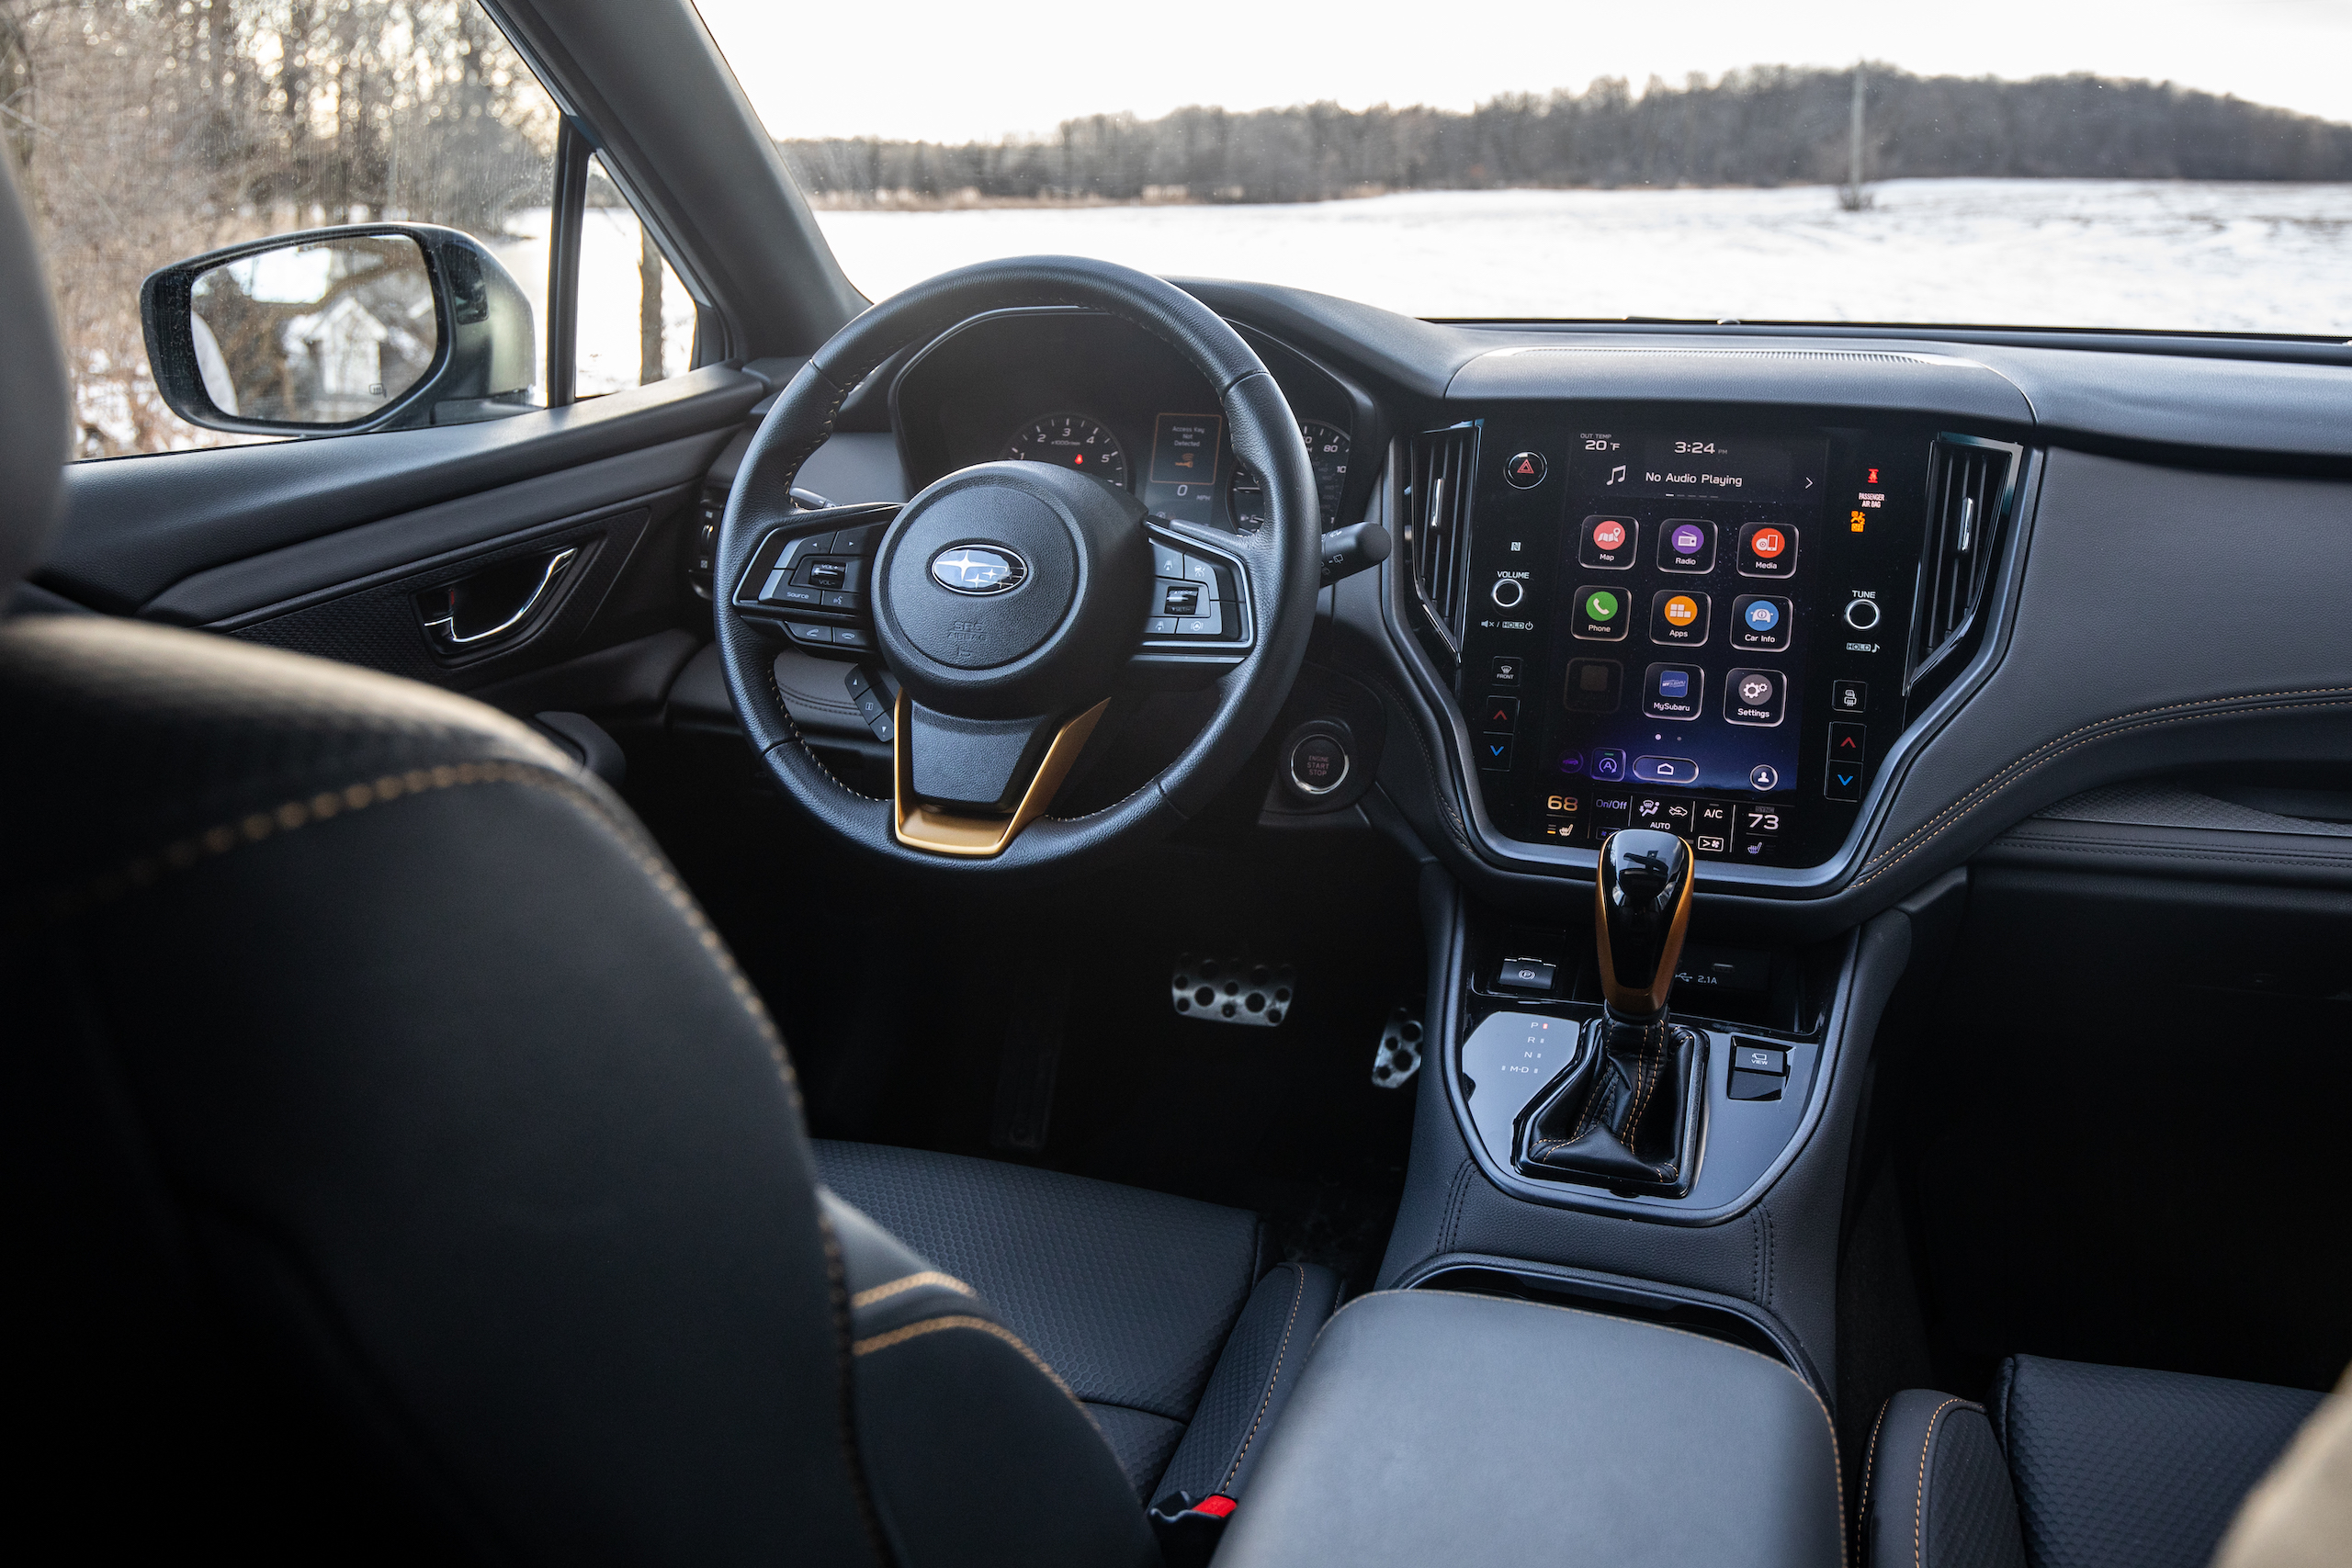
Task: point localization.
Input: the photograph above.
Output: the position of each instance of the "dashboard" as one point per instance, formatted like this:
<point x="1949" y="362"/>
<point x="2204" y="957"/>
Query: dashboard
<point x="1839" y="608"/>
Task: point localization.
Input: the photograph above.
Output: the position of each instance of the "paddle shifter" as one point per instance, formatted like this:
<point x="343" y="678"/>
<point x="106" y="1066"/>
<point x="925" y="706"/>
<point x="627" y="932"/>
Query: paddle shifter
<point x="1626" y="1115"/>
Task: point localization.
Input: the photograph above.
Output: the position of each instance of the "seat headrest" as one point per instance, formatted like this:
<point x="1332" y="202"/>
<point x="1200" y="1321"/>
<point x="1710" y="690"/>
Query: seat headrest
<point x="34" y="402"/>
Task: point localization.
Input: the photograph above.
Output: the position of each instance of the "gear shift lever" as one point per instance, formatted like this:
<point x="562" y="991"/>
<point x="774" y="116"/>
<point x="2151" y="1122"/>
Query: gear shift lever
<point x="1627" y="1112"/>
<point x="1641" y="904"/>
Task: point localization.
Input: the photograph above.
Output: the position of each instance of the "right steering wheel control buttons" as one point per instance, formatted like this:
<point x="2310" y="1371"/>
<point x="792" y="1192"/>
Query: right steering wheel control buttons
<point x="1192" y="598"/>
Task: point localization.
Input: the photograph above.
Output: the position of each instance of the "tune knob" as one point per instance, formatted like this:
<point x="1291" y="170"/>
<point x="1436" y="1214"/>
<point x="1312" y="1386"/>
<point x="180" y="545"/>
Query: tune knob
<point x="1862" y="614"/>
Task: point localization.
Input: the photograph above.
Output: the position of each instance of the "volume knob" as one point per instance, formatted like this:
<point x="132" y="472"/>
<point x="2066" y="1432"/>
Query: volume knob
<point x="1508" y="591"/>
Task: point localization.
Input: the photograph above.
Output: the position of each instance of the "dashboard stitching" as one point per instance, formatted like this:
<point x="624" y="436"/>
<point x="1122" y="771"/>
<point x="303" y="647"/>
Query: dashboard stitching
<point x="2125" y="848"/>
<point x="2050" y="751"/>
<point x="1438" y="792"/>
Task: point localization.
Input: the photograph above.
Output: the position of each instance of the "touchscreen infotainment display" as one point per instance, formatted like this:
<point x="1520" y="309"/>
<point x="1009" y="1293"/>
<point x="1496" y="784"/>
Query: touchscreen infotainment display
<point x="1677" y="626"/>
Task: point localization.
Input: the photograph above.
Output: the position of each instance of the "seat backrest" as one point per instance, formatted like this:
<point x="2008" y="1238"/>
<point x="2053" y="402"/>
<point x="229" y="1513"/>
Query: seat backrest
<point x="402" y="1167"/>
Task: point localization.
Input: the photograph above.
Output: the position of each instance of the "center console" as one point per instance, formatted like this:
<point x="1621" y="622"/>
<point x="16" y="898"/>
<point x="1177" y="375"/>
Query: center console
<point x="1694" y="623"/>
<point x="1430" y="1426"/>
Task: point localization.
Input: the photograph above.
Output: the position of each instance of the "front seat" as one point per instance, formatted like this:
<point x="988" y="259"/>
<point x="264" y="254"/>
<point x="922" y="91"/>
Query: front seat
<point x="2067" y="1464"/>
<point x="402" y="1167"/>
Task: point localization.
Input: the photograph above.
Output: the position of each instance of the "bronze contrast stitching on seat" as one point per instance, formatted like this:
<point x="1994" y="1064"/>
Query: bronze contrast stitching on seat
<point x="1919" y="1510"/>
<point x="185" y="854"/>
<point x="1298" y="1295"/>
<point x="906" y="1282"/>
<point x="1869" y="1459"/>
<point x="877" y="1342"/>
<point x="852" y="1453"/>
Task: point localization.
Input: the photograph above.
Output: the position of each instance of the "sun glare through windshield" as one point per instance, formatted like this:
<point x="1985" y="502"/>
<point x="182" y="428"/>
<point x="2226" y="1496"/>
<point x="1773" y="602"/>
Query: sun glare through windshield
<point x="2042" y="166"/>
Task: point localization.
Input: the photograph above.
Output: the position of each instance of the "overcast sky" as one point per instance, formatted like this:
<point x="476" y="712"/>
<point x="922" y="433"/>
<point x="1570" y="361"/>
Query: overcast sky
<point x="961" y="70"/>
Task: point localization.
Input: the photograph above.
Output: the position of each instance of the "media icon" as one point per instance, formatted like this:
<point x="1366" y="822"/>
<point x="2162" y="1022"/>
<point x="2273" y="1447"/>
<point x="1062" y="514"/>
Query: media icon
<point x="1766" y="549"/>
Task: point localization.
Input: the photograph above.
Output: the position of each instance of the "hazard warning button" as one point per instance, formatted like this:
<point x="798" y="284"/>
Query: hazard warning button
<point x="1525" y="471"/>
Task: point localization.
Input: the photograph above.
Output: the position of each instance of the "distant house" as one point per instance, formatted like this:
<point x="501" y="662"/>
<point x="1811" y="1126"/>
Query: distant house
<point x="336" y="356"/>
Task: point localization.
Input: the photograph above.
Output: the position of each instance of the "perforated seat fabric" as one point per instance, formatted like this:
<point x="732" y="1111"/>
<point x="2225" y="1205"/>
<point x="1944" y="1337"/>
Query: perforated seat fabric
<point x="2068" y="1464"/>
<point x="1129" y="1296"/>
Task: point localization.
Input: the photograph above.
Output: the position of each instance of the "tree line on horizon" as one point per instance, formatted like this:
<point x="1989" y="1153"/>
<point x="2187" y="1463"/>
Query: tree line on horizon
<point x="1766" y="125"/>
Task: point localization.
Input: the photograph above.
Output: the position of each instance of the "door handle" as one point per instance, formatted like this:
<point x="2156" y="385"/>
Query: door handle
<point x="456" y="601"/>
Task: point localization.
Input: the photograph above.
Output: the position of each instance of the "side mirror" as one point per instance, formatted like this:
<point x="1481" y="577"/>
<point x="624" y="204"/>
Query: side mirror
<point x="374" y="326"/>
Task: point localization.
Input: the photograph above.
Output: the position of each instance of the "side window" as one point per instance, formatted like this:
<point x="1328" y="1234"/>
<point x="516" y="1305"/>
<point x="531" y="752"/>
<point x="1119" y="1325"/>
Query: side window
<point x="147" y="134"/>
<point x="637" y="322"/>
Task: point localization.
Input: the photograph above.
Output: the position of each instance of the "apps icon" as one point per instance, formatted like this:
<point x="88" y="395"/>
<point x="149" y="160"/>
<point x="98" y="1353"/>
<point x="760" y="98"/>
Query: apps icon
<point x="1760" y="624"/>
<point x="1609" y="767"/>
<point x="1608" y="542"/>
<point x="1602" y="613"/>
<point x="1685" y="544"/>
<point x="1678" y="617"/>
<point x="1674" y="691"/>
<point x="1766" y="549"/>
<point x="1755" y="697"/>
<point x="1594" y="685"/>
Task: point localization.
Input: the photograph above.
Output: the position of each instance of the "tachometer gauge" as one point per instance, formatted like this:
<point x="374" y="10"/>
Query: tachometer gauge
<point x="1071" y="441"/>
<point x="1327" y="450"/>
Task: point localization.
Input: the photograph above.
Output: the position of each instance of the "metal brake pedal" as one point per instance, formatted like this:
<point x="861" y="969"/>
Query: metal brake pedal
<point x="1233" y="991"/>
<point x="1399" y="1057"/>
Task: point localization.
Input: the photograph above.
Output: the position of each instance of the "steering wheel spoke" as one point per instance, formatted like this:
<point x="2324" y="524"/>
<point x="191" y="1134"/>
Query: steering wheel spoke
<point x="1200" y="614"/>
<point x="967" y="787"/>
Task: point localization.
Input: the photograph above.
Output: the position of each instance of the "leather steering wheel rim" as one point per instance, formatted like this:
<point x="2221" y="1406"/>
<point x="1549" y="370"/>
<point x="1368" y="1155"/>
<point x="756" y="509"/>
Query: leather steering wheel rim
<point x="1280" y="559"/>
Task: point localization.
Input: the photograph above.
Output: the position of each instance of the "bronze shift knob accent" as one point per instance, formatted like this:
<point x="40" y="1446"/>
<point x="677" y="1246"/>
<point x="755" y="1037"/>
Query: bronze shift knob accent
<point x="1641" y="905"/>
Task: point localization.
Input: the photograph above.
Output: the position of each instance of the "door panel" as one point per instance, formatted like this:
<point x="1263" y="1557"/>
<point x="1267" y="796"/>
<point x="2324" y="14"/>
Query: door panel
<point x="346" y="548"/>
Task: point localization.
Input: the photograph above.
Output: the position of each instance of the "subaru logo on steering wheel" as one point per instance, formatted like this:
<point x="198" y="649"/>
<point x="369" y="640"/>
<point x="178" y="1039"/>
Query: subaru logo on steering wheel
<point x="978" y="569"/>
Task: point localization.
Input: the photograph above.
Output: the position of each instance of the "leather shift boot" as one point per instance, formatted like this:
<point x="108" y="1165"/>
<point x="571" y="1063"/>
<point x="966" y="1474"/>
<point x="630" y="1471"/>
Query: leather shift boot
<point x="1627" y="1115"/>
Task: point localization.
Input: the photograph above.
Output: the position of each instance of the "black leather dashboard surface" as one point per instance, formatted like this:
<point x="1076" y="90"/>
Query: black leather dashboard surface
<point x="2166" y="616"/>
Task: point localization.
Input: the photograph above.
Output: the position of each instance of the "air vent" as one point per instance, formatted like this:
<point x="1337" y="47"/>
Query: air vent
<point x="1436" y="526"/>
<point x="1972" y="489"/>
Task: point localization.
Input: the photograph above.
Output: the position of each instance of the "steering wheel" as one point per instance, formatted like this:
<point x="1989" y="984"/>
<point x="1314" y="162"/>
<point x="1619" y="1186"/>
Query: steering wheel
<point x="1009" y="599"/>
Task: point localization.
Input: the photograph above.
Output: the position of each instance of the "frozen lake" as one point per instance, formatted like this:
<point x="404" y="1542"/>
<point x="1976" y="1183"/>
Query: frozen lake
<point x="2190" y="256"/>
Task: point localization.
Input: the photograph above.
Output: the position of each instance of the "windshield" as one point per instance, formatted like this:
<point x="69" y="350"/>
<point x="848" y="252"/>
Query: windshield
<point x="2040" y="165"/>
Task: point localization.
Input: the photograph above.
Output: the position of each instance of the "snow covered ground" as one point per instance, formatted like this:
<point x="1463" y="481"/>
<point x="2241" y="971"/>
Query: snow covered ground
<point x="2189" y="257"/>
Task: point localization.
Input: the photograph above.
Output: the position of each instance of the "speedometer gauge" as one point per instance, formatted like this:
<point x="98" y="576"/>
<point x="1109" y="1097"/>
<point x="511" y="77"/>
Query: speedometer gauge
<point x="1327" y="450"/>
<point x="1071" y="441"/>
